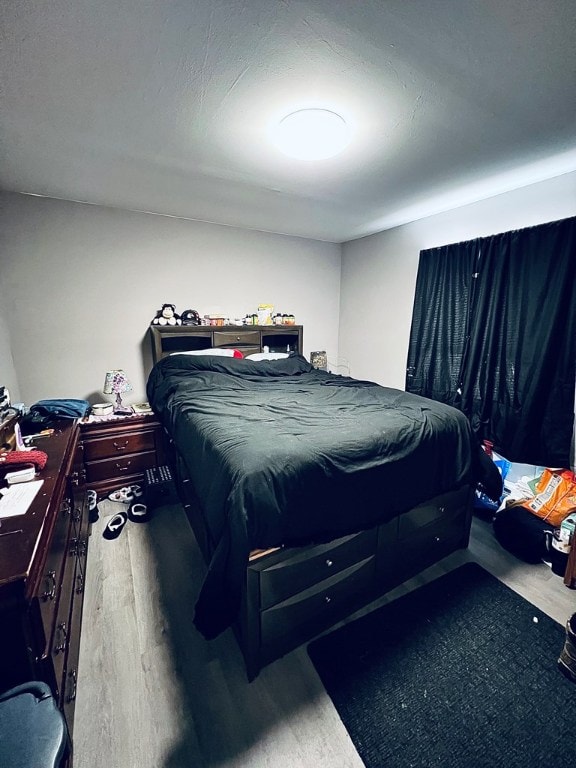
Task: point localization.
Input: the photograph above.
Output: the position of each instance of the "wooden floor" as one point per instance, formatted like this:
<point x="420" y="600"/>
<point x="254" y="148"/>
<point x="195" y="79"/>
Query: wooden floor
<point x="153" y="694"/>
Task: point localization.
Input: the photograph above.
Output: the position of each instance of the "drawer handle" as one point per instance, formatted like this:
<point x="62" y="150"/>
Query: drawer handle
<point x="71" y="696"/>
<point x="82" y="547"/>
<point x="327" y="599"/>
<point x="73" y="550"/>
<point x="74" y="479"/>
<point x="63" y="629"/>
<point x="123" y="468"/>
<point x="50" y="594"/>
<point x="65" y="507"/>
<point x="77" y="514"/>
<point x="120" y="446"/>
<point x="80" y="584"/>
<point x="329" y="563"/>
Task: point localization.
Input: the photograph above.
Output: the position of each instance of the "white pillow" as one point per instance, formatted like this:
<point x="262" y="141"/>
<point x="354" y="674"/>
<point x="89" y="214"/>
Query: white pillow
<point x="212" y="351"/>
<point x="267" y="356"/>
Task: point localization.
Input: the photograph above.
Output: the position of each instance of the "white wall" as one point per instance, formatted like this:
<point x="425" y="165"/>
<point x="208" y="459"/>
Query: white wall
<point x="379" y="272"/>
<point x="82" y="283"/>
<point x="8" y="377"/>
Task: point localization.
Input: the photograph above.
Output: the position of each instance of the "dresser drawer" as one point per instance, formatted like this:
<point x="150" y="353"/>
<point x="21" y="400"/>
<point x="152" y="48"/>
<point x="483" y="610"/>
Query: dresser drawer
<point x="284" y="624"/>
<point x="62" y="628"/>
<point x="70" y="676"/>
<point x="308" y="567"/>
<point x="49" y="590"/>
<point x="231" y="339"/>
<point x="120" y="466"/>
<point x="118" y="445"/>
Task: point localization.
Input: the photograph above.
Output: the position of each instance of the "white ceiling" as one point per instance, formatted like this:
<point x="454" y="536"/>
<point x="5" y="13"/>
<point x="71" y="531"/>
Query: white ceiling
<point x="164" y="105"/>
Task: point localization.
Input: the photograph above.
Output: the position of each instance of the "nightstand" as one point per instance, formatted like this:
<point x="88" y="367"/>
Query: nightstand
<point x="118" y="451"/>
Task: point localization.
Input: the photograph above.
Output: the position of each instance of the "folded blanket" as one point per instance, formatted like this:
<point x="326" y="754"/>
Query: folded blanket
<point x="65" y="409"/>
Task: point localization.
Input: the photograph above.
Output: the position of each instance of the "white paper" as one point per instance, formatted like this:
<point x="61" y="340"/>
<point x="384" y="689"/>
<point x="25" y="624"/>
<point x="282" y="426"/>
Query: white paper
<point x="16" y="499"/>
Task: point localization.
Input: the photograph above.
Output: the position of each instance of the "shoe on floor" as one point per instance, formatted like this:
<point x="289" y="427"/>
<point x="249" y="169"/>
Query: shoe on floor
<point x="92" y="506"/>
<point x="126" y="494"/>
<point x="138" y="512"/>
<point x="115" y="525"/>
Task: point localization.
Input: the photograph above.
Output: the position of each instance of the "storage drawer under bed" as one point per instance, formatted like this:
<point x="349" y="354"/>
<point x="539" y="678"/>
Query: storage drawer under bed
<point x="285" y="625"/>
<point x="425" y="534"/>
<point x="441" y="511"/>
<point x="312" y="565"/>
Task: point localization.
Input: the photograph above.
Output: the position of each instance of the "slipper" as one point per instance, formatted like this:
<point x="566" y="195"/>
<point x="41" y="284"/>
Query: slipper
<point x="126" y="494"/>
<point x="122" y="494"/>
<point x="92" y="506"/>
<point x="115" y="525"/>
<point x="138" y="513"/>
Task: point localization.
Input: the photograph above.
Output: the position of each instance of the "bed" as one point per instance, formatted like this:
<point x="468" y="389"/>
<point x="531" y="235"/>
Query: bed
<point x="309" y="493"/>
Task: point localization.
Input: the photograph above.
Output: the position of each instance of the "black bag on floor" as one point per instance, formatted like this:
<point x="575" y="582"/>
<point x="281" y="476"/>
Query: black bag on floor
<point x="522" y="533"/>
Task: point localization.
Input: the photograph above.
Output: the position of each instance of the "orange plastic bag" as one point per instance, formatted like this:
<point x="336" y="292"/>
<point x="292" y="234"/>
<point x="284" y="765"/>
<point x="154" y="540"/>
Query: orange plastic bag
<point x="555" y="496"/>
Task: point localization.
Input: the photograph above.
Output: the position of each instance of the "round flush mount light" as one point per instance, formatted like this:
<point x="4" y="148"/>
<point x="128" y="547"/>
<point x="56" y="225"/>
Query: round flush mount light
<point x="311" y="134"/>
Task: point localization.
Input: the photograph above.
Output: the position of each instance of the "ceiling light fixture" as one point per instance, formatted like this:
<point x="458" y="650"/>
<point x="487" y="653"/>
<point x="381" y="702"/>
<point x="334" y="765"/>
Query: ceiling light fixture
<point x="311" y="134"/>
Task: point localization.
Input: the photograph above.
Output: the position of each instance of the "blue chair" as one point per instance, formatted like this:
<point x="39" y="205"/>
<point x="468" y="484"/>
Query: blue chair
<point x="32" y="729"/>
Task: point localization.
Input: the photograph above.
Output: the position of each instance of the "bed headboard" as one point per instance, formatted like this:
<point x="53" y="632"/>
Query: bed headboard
<point x="167" y="339"/>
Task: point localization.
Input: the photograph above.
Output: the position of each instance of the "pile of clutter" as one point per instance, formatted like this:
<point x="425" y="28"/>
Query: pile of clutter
<point x="131" y="497"/>
<point x="535" y="518"/>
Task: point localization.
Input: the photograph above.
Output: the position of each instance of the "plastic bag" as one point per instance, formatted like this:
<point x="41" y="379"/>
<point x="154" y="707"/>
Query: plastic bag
<point x="555" y="496"/>
<point x="481" y="500"/>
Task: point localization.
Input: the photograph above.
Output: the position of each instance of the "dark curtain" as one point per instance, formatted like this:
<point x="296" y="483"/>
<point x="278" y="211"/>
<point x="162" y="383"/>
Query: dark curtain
<point x="440" y="321"/>
<point x="494" y="333"/>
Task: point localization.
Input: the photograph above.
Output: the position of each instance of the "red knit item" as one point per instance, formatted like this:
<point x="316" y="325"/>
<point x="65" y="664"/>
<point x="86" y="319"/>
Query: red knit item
<point x="38" y="458"/>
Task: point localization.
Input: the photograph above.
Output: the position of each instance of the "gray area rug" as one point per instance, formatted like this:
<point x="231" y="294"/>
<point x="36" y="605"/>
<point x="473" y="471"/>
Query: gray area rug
<point x="461" y="672"/>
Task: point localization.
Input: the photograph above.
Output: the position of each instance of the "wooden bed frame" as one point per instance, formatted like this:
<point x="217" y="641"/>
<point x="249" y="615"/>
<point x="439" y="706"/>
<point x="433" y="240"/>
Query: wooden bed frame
<point x="291" y="594"/>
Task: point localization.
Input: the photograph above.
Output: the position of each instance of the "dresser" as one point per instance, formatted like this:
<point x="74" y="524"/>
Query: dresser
<point x="118" y="451"/>
<point x="42" y="575"/>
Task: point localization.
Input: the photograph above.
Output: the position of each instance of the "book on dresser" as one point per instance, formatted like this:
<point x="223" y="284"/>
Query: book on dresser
<point x="142" y="408"/>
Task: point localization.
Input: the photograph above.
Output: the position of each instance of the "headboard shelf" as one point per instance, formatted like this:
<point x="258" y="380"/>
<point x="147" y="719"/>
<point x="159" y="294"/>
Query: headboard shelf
<point x="167" y="339"/>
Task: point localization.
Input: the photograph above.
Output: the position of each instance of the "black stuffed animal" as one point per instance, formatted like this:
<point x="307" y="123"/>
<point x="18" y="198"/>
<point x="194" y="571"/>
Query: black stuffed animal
<point x="167" y="316"/>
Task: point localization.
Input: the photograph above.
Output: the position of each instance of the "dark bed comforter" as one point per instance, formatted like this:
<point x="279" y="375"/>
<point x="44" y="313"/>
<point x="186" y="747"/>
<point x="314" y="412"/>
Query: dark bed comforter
<point x="281" y="453"/>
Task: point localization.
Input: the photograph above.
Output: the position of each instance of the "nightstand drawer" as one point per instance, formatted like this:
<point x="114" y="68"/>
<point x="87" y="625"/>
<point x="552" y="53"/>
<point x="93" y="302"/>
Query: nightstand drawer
<point x="118" y="451"/>
<point x="245" y="338"/>
<point x="119" y="466"/>
<point x="118" y="445"/>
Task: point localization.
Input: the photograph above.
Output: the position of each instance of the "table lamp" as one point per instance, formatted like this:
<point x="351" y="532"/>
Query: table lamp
<point x="116" y="383"/>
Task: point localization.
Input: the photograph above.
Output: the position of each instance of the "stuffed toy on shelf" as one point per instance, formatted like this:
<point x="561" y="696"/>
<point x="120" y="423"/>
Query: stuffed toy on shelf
<point x="167" y="316"/>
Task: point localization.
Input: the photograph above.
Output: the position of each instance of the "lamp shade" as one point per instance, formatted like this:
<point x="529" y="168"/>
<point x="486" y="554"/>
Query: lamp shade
<point x="116" y="383"/>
